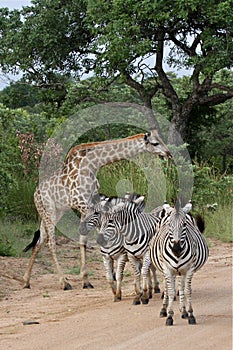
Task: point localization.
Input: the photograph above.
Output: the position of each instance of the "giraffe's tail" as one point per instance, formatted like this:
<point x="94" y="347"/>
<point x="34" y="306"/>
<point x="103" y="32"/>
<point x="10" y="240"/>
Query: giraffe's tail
<point x="33" y="242"/>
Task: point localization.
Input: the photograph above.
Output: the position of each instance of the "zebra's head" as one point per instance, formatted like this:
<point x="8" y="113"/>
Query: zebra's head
<point x="177" y="218"/>
<point x="112" y="223"/>
<point x="101" y="206"/>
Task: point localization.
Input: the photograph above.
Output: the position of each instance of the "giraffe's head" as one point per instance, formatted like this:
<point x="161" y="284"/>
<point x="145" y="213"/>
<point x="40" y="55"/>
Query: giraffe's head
<point x="154" y="144"/>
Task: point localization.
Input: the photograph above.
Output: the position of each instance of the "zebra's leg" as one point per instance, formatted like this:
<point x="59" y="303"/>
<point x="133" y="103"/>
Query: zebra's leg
<point x="170" y="281"/>
<point x="145" y="272"/>
<point x="155" y="279"/>
<point x="150" y="285"/>
<point x="181" y="283"/>
<point x="121" y="261"/>
<point x="83" y="253"/>
<point x="108" y="264"/>
<point x="163" y="312"/>
<point x="136" y="266"/>
<point x="188" y="296"/>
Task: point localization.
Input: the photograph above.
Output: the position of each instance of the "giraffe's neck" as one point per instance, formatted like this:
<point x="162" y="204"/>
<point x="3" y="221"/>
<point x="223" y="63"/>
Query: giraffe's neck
<point x="111" y="152"/>
<point x="84" y="161"/>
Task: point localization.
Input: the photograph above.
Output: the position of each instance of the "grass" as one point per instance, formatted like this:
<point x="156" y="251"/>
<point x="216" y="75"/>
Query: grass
<point x="219" y="224"/>
<point x="145" y="175"/>
<point x="14" y="236"/>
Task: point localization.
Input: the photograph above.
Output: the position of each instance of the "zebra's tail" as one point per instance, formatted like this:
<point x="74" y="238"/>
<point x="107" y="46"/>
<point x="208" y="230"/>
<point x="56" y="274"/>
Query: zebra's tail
<point x="200" y="223"/>
<point x="33" y="242"/>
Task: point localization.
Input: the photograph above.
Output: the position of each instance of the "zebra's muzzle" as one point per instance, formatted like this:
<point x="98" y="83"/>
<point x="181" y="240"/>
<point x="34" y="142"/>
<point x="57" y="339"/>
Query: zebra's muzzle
<point x="177" y="249"/>
<point x="101" y="240"/>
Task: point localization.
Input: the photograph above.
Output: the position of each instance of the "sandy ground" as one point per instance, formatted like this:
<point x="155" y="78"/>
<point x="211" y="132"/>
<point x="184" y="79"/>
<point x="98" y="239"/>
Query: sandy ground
<point x="89" y="319"/>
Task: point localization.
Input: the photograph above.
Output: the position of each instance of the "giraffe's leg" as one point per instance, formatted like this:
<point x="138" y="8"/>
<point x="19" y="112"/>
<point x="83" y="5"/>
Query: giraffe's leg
<point x="28" y="272"/>
<point x="83" y="271"/>
<point x="121" y="261"/>
<point x="52" y="247"/>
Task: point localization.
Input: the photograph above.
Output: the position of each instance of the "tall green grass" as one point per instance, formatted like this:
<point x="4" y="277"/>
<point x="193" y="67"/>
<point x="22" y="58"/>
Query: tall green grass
<point x="156" y="180"/>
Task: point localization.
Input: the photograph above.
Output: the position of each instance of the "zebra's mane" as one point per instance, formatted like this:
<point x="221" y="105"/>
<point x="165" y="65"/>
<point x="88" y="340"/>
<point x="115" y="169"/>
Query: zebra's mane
<point x="114" y="203"/>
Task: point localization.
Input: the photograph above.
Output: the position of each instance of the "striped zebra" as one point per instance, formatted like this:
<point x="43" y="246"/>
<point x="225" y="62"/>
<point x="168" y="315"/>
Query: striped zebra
<point x="178" y="249"/>
<point x="115" y="250"/>
<point x="137" y="228"/>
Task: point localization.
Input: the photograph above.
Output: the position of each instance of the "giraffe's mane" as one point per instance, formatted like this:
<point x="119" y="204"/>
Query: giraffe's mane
<point x="84" y="146"/>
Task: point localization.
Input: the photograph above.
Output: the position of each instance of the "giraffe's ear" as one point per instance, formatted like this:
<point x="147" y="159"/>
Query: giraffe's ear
<point x="146" y="136"/>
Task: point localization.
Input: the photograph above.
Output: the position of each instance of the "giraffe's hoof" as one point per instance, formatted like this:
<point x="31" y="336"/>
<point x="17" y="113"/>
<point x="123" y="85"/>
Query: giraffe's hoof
<point x="87" y="285"/>
<point x="192" y="320"/>
<point x="169" y="321"/>
<point x="117" y="299"/>
<point x="68" y="286"/>
<point x="27" y="286"/>
<point x="145" y="301"/>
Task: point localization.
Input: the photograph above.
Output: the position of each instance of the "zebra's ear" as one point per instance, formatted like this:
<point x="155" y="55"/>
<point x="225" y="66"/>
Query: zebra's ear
<point x="139" y="200"/>
<point x="167" y="207"/>
<point x="187" y="207"/>
<point x="117" y="207"/>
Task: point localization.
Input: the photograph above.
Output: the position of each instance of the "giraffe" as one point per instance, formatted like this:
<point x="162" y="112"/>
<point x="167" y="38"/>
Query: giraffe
<point x="73" y="186"/>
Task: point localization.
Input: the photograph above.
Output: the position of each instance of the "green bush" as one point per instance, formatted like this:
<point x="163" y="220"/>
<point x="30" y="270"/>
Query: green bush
<point x="20" y="201"/>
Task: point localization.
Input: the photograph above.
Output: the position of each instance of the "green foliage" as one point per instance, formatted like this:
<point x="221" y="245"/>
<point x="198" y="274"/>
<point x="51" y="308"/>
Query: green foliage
<point x="20" y="203"/>
<point x="6" y="248"/>
<point x="14" y="236"/>
<point x="142" y="175"/>
<point x="210" y="186"/>
<point x="219" y="223"/>
<point x="19" y="95"/>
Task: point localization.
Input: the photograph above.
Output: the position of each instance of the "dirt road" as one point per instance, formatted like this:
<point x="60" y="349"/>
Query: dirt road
<point x="89" y="319"/>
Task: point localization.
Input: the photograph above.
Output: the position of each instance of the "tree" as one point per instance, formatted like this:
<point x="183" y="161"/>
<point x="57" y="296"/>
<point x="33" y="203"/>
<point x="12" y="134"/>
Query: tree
<point x="134" y="37"/>
<point x="129" y="38"/>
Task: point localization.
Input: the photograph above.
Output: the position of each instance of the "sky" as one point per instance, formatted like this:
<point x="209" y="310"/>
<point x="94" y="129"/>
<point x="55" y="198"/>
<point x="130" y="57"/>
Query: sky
<point x="14" y="4"/>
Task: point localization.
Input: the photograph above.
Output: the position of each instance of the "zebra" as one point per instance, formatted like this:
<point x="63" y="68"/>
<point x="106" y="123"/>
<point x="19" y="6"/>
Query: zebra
<point x="137" y="229"/>
<point x="115" y="250"/>
<point x="179" y="248"/>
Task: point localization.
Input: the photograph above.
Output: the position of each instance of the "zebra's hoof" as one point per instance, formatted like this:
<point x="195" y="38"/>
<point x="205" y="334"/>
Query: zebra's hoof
<point x="157" y="290"/>
<point x="184" y="315"/>
<point x="169" y="321"/>
<point x="67" y="286"/>
<point x="145" y="301"/>
<point x="136" y="302"/>
<point x="192" y="320"/>
<point x="87" y="285"/>
<point x="163" y="313"/>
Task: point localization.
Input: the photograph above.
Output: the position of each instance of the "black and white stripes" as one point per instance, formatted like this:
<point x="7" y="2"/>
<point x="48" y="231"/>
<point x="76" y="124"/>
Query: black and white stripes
<point x="178" y="248"/>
